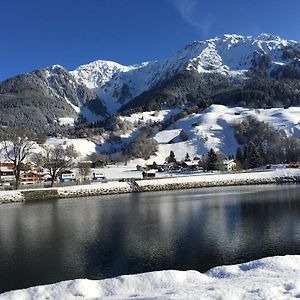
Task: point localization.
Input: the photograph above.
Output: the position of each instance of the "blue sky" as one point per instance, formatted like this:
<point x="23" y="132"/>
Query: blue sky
<point x="39" y="33"/>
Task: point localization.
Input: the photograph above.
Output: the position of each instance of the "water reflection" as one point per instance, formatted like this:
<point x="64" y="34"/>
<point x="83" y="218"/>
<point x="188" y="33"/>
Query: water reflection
<point x="44" y="242"/>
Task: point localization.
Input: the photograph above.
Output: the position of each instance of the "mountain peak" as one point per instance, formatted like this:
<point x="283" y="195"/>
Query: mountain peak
<point x="268" y="37"/>
<point x="230" y="55"/>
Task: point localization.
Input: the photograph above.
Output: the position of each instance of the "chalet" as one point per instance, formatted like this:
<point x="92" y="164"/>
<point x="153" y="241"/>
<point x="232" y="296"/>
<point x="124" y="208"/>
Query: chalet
<point x="7" y="165"/>
<point x="31" y="177"/>
<point x="149" y="173"/>
<point x="173" y="166"/>
<point x="191" y="165"/>
<point x="67" y="176"/>
<point x="229" y="164"/>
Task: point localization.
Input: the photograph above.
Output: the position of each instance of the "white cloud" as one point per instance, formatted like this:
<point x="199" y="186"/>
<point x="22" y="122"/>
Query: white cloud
<point x="192" y="12"/>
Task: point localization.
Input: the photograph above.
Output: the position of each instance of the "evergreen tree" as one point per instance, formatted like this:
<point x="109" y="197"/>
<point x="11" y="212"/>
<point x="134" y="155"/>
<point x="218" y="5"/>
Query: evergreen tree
<point x="154" y="165"/>
<point x="262" y="154"/>
<point x="212" y="163"/>
<point x="183" y="135"/>
<point x="245" y="157"/>
<point x="187" y="157"/>
<point x="254" y="158"/>
<point x="171" y="158"/>
<point x="239" y="155"/>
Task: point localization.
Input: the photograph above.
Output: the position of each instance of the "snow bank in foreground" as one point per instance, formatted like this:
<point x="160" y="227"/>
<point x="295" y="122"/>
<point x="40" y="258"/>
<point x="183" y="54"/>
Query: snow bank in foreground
<point x="268" y="278"/>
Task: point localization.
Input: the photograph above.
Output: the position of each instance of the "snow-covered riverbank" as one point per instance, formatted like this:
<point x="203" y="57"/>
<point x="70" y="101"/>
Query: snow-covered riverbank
<point x="157" y="184"/>
<point x="267" y="278"/>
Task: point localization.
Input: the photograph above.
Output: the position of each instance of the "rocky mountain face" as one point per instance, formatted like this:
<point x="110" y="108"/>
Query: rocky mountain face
<point x="234" y="70"/>
<point x="39" y="99"/>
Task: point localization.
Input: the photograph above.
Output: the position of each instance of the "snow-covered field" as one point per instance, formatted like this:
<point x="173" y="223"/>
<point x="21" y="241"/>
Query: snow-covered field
<point x="267" y="278"/>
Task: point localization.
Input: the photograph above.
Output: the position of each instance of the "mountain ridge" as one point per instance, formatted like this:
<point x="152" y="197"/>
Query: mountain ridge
<point x="210" y="71"/>
<point x="229" y="55"/>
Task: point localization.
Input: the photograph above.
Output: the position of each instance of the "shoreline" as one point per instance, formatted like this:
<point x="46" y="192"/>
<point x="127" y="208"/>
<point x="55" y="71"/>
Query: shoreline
<point x="156" y="184"/>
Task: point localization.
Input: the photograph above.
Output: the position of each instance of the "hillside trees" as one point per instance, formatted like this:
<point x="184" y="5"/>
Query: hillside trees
<point x="263" y="144"/>
<point x="141" y="147"/>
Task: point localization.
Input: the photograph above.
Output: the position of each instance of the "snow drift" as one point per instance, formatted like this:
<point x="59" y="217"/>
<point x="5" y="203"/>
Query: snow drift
<point x="267" y="278"/>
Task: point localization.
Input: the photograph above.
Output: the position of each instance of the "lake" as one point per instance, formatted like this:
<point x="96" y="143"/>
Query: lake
<point x="44" y="242"/>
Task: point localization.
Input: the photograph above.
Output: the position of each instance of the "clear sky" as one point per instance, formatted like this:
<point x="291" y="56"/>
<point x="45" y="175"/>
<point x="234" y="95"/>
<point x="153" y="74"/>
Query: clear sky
<point x="39" y="33"/>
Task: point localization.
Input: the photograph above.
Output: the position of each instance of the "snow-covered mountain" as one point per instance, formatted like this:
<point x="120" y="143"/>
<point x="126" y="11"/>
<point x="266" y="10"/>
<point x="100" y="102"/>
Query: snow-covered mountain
<point x="43" y="98"/>
<point x="229" y="55"/>
<point x="204" y="72"/>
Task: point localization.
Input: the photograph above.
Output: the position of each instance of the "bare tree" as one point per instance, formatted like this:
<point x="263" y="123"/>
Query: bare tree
<point x="84" y="169"/>
<point x="56" y="160"/>
<point x="17" y="146"/>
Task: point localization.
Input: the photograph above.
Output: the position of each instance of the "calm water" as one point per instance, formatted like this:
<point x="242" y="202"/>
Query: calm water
<point x="49" y="241"/>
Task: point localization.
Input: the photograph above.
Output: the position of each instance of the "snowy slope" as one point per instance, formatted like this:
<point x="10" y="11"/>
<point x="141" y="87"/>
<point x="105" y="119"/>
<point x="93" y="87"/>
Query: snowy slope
<point x="209" y="129"/>
<point x="212" y="129"/>
<point x="84" y="147"/>
<point x="229" y="54"/>
<point x="267" y="278"/>
<point x="137" y="121"/>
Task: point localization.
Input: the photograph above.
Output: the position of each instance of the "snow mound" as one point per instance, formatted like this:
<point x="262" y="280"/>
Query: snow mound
<point x="267" y="278"/>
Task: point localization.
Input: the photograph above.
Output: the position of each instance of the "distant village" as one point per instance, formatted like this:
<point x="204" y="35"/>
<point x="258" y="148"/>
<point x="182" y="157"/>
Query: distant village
<point x="61" y="166"/>
<point x="94" y="171"/>
<point x="31" y="176"/>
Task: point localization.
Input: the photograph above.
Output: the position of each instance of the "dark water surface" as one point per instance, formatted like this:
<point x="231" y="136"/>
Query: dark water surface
<point x="49" y="241"/>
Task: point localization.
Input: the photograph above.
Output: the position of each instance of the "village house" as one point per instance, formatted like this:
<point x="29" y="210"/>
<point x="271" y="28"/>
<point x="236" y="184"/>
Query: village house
<point x="31" y="177"/>
<point x="7" y="165"/>
<point x="67" y="176"/>
<point x="98" y="163"/>
<point x="6" y="175"/>
<point x="229" y="165"/>
<point x="99" y="176"/>
<point x="172" y="166"/>
<point x="149" y="173"/>
<point x="191" y="165"/>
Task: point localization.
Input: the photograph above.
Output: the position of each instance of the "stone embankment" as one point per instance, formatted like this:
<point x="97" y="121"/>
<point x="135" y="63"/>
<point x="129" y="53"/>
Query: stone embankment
<point x="158" y="184"/>
<point x="215" y="180"/>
